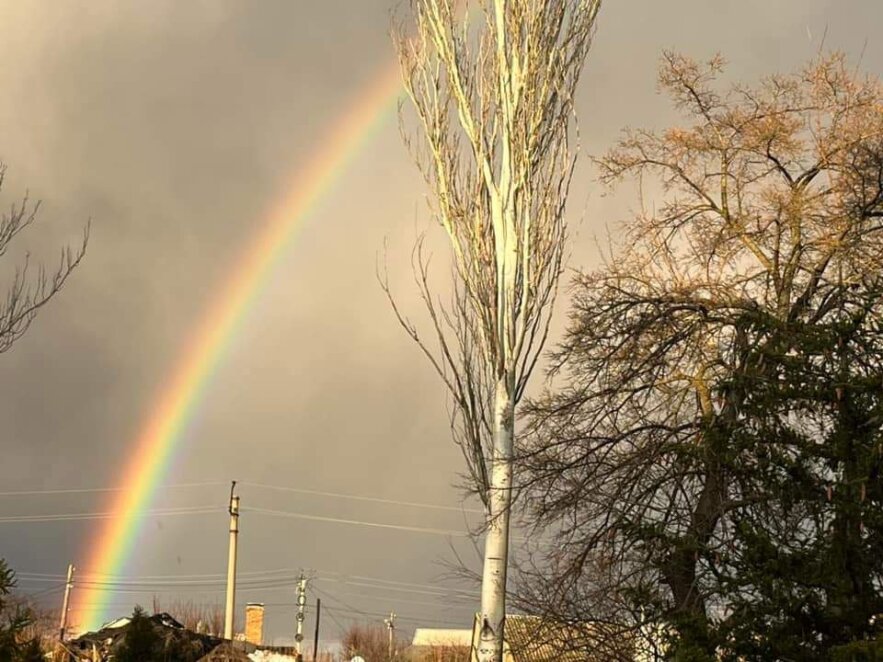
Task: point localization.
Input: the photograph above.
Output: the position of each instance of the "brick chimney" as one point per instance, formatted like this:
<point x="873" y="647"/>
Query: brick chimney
<point x="254" y="623"/>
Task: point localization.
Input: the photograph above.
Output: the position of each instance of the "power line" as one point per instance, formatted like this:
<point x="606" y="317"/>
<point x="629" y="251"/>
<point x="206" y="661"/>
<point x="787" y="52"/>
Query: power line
<point x="263" y="585"/>
<point x="349" y="609"/>
<point x="43" y="592"/>
<point x="258" y="578"/>
<point x="87" y="490"/>
<point x="156" y="590"/>
<point x="379" y="525"/>
<point x="397" y="599"/>
<point x="433" y="591"/>
<point x="174" y="576"/>
<point x="395" y="582"/>
<point x="275" y="574"/>
<point x="354" y="497"/>
<point x="339" y="625"/>
<point x="410" y="590"/>
<point x="265" y="486"/>
<point x="337" y="600"/>
<point x="205" y="510"/>
<point x="138" y="583"/>
<point x="264" y="580"/>
<point x="72" y="517"/>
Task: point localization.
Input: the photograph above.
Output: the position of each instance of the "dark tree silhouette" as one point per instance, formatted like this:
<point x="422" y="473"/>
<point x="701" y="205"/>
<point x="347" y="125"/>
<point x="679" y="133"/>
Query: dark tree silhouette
<point x="708" y="460"/>
<point x="15" y="620"/>
<point x="142" y="642"/>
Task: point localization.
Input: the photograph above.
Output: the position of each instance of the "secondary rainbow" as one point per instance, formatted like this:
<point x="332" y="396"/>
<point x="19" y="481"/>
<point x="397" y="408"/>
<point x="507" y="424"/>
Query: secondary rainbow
<point x="178" y="398"/>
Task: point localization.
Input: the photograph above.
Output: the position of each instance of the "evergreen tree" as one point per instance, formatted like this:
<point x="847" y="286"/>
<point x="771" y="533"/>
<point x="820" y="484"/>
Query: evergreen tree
<point x="141" y="643"/>
<point x="804" y="562"/>
<point x="31" y="652"/>
<point x="15" y="619"/>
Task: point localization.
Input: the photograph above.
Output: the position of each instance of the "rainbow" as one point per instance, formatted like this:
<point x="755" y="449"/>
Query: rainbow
<point x="181" y="392"/>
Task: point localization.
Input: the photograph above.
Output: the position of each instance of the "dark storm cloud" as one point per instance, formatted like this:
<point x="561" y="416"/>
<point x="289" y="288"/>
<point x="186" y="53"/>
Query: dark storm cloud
<point x="175" y="126"/>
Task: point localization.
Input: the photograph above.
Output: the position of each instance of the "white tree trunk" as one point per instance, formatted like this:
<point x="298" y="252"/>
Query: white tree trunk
<point x="496" y="549"/>
<point x="494" y="104"/>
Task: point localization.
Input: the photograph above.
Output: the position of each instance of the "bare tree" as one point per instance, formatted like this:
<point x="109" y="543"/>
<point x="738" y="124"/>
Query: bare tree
<point x="205" y="617"/>
<point x="369" y="641"/>
<point x="43" y="626"/>
<point x="29" y="291"/>
<point x="440" y="653"/>
<point x="494" y="102"/>
<point x="649" y="459"/>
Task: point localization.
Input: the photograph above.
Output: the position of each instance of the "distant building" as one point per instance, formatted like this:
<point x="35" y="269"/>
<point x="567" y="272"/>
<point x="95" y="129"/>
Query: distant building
<point x="527" y="639"/>
<point x="434" y="637"/>
<point x="432" y="645"/>
<point x="254" y="623"/>
<point x="535" y="639"/>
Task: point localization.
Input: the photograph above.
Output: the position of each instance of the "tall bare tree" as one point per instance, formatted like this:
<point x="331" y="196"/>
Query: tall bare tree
<point x="494" y="99"/>
<point x="29" y="289"/>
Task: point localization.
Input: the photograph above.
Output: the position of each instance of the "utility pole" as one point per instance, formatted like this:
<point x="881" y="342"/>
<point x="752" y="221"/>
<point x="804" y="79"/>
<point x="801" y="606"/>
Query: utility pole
<point x="301" y="604"/>
<point x="66" y="602"/>
<point x="316" y="634"/>
<point x="391" y="626"/>
<point x="231" y="564"/>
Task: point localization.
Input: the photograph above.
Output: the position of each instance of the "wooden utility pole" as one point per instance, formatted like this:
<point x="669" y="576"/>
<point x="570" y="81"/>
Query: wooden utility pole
<point x="316" y="633"/>
<point x="66" y="602"/>
<point x="231" y="564"/>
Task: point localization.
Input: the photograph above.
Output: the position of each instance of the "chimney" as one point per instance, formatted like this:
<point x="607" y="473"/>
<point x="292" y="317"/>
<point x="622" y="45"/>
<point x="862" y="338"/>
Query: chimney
<point x="254" y="623"/>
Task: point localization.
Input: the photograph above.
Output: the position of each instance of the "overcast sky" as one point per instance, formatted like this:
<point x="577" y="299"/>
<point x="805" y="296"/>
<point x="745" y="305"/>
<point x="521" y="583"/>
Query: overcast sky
<point x="174" y="126"/>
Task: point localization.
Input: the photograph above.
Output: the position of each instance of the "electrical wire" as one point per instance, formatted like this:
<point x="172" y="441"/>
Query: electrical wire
<point x="397" y="599"/>
<point x="389" y="581"/>
<point x="204" y="510"/>
<point x="338" y="520"/>
<point x="213" y="575"/>
<point x="277" y="575"/>
<point x="43" y="592"/>
<point x="87" y="490"/>
<point x="264" y="486"/>
<point x="72" y="517"/>
<point x="450" y="594"/>
<point x="354" y="497"/>
<point x="350" y="609"/>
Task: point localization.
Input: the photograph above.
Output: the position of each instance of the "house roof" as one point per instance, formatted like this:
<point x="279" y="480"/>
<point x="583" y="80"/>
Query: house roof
<point x="530" y="639"/>
<point x="535" y="639"/>
<point x="437" y="637"/>
<point x="111" y="636"/>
